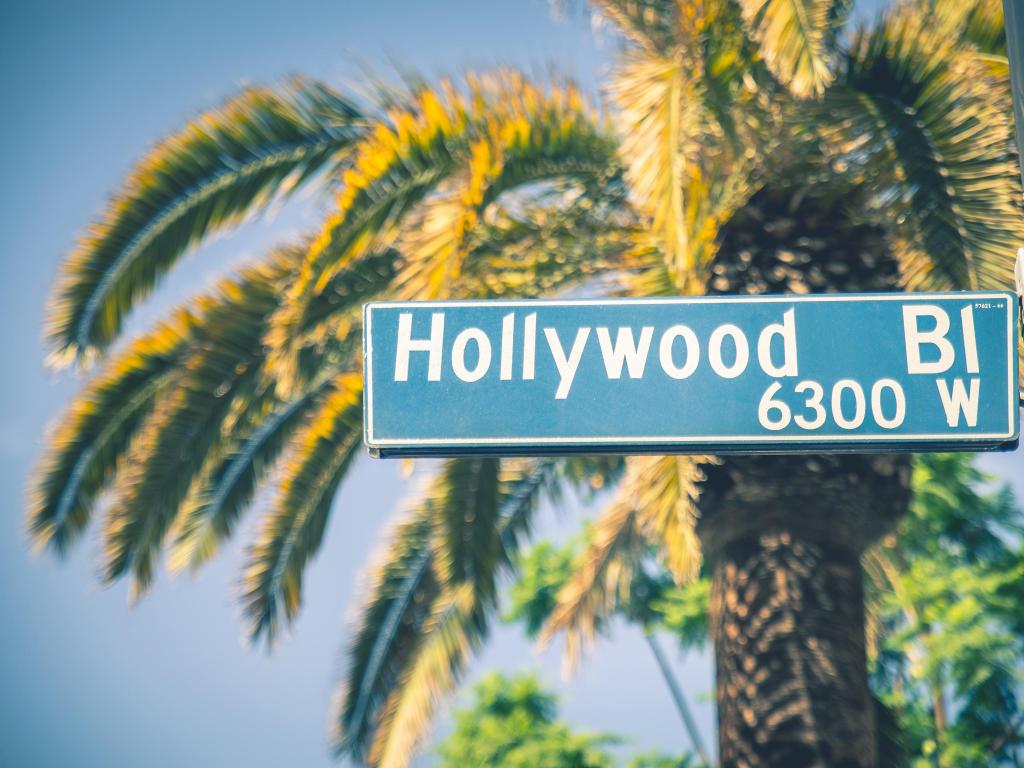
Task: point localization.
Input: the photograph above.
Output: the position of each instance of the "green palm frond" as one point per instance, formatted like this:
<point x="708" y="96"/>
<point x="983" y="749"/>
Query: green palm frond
<point x="541" y="251"/>
<point x="939" y="149"/>
<point x="467" y="506"/>
<point x="529" y="247"/>
<point x="505" y="133"/>
<point x="456" y="627"/>
<point x="347" y="291"/>
<point x="292" y="532"/>
<point x="220" y="375"/>
<point x="83" y="453"/>
<point x="222" y="166"/>
<point x="976" y="22"/>
<point x="418" y="624"/>
<point x="648" y="23"/>
<point x="402" y="588"/>
<point x="796" y="39"/>
<point x="984" y="27"/>
<point x="212" y="509"/>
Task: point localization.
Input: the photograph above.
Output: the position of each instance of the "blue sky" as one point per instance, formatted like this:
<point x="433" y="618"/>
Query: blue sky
<point x="84" y="681"/>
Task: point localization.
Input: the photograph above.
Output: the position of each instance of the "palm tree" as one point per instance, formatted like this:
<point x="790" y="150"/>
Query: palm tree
<point x="750" y="145"/>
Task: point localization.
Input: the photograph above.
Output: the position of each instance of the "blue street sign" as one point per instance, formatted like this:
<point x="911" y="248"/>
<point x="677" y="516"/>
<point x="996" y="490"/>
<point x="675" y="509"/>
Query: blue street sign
<point x="920" y="372"/>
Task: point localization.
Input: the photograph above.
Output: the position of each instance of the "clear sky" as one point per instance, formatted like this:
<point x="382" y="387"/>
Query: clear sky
<point x="84" y="681"/>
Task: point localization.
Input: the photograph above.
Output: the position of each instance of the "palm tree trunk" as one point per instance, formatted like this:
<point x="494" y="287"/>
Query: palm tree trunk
<point x="679" y="698"/>
<point x="784" y="535"/>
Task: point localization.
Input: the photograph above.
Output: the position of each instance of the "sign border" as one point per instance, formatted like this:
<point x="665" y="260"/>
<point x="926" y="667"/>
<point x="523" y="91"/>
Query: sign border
<point x="726" y="443"/>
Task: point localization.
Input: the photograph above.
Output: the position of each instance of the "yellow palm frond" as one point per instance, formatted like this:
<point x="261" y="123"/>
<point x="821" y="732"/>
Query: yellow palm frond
<point x="219" y="376"/>
<point x="452" y="633"/>
<point x="505" y="132"/>
<point x="658" y="119"/>
<point x="796" y="40"/>
<point x="648" y="23"/>
<point x="224" y="165"/>
<point x="601" y="581"/>
<point x="423" y="614"/>
<point x="292" y="532"/>
<point x="83" y="453"/>
<point x="655" y="506"/>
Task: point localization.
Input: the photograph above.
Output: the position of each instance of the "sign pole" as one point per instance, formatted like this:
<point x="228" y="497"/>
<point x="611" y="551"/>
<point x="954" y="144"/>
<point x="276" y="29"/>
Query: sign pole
<point x="1013" y="15"/>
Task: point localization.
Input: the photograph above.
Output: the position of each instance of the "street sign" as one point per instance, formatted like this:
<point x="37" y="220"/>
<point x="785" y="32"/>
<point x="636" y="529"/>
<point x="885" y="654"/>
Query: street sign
<point x="935" y="371"/>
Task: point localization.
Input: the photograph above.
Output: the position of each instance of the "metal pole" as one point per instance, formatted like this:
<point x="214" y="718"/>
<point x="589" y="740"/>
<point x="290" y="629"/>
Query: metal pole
<point x="1013" y="17"/>
<point x="678" y="698"/>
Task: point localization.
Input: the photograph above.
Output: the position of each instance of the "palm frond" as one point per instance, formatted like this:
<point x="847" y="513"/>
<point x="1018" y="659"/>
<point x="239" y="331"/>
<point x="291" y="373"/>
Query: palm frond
<point x="654" y="507"/>
<point x="507" y="132"/>
<point x="984" y="27"/>
<point x="651" y="24"/>
<point x="222" y="166"/>
<point x="292" y="533"/>
<point x="220" y="375"/>
<point x="401" y="592"/>
<point x="83" y="453"/>
<point x="455" y="629"/>
<point x="976" y="22"/>
<point x="939" y="150"/>
<point x="418" y="625"/>
<point x="467" y="504"/>
<point x="796" y="40"/>
<point x="601" y="581"/>
<point x="541" y="251"/>
<point x="665" y="491"/>
<point x="350" y="289"/>
<point x="212" y="509"/>
<point x="658" y="123"/>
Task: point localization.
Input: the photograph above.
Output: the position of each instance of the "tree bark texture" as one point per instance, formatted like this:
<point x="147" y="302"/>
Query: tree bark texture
<point x="783" y="537"/>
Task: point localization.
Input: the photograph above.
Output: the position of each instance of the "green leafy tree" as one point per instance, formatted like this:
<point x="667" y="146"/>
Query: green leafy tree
<point x="749" y="146"/>
<point x="947" y="616"/>
<point x="512" y="723"/>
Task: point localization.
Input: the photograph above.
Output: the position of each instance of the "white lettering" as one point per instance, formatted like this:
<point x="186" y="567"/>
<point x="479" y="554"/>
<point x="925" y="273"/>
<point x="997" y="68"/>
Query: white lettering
<point x="407" y="345"/>
<point x="957" y="401"/>
<point x="915" y="338"/>
<point x="566" y="366"/>
<point x="813" y="401"/>
<point x="483" y="359"/>
<point x="787" y="330"/>
<point x="715" y="351"/>
<point x="692" y="352"/>
<point x="529" y="346"/>
<point x="508" y="330"/>
<point x="876" y="403"/>
<point x="768" y="404"/>
<point x="859" y="407"/>
<point x="970" y="341"/>
<point x="626" y="350"/>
